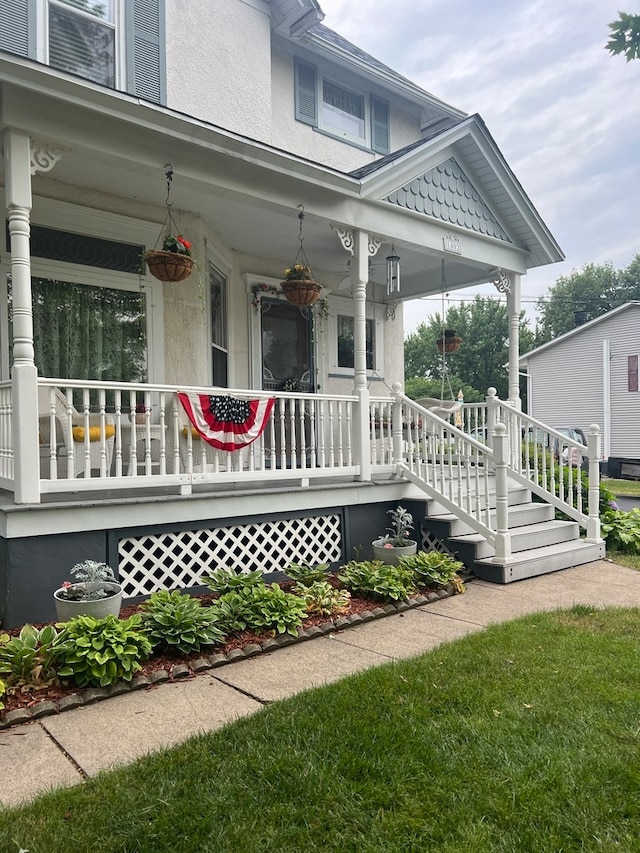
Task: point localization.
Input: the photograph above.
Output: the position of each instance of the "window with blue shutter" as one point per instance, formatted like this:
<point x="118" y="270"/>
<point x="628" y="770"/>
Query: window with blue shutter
<point x="380" y="125"/>
<point x="18" y="27"/>
<point x="306" y="93"/>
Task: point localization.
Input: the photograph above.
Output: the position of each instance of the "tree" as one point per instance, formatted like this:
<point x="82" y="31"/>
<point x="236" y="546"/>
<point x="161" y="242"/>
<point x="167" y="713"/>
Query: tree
<point x="625" y="36"/>
<point x="480" y="362"/>
<point x="585" y="295"/>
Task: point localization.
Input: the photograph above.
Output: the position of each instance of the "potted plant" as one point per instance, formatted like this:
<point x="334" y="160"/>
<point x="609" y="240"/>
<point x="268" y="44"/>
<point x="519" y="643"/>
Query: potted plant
<point x="174" y="262"/>
<point x="140" y="414"/>
<point x="95" y="592"/>
<point x="448" y="341"/>
<point x="299" y="286"/>
<point x="396" y="543"/>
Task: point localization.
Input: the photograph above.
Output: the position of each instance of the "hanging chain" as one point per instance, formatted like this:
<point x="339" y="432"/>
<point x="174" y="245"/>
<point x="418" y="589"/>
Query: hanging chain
<point x="169" y="176"/>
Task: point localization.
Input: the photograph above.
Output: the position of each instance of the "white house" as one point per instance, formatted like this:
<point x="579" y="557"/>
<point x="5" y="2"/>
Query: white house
<point x="590" y="375"/>
<point x="241" y="116"/>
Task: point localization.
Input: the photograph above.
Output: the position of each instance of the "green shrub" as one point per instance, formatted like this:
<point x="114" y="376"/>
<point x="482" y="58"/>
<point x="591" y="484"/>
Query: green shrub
<point x="622" y="530"/>
<point x="29" y="659"/>
<point x="260" y="607"/>
<point x="100" y="651"/>
<point x="173" y="620"/>
<point x="432" y="567"/>
<point x="226" y="580"/>
<point x="322" y="599"/>
<point x="305" y="574"/>
<point x="376" y="579"/>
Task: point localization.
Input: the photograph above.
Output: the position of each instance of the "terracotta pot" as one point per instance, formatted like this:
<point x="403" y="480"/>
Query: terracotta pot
<point x="169" y="266"/>
<point x="302" y="293"/>
<point x="448" y="344"/>
<point x="391" y="556"/>
<point x="98" y="608"/>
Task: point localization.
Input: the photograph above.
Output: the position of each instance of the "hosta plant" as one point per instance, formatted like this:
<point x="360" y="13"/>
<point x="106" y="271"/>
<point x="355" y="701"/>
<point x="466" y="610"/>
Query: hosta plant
<point x="305" y="575"/>
<point x="175" y="621"/>
<point x="99" y="652"/>
<point x="622" y="530"/>
<point x="260" y="607"/>
<point x="3" y="690"/>
<point x="432" y="567"/>
<point x="226" y="580"/>
<point x="378" y="580"/>
<point x="322" y="599"/>
<point x="29" y="660"/>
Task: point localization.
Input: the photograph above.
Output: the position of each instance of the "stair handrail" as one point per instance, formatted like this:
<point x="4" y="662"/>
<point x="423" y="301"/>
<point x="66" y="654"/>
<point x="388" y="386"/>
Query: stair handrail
<point x="423" y="453"/>
<point x="549" y="463"/>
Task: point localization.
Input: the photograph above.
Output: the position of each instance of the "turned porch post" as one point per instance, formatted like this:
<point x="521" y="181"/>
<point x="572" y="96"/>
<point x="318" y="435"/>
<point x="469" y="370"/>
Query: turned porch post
<point x="24" y="376"/>
<point x="513" y="313"/>
<point x="359" y="276"/>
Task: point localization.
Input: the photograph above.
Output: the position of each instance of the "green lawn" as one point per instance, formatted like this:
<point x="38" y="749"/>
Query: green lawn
<point x="632" y="561"/>
<point x="622" y="488"/>
<point x="525" y="737"/>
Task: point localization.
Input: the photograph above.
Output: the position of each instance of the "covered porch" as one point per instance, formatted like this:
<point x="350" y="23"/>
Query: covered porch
<point x="98" y="451"/>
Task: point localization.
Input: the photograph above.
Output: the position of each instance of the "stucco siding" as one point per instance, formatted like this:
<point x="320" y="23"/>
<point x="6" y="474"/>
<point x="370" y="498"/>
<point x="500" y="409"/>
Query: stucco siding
<point x="218" y="58"/>
<point x="568" y="382"/>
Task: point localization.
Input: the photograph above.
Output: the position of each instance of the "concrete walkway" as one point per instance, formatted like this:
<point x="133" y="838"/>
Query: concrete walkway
<point x="66" y="749"/>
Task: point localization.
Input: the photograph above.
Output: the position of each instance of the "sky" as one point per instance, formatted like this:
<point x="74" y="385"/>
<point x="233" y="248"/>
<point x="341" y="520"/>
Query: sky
<point x="564" y="112"/>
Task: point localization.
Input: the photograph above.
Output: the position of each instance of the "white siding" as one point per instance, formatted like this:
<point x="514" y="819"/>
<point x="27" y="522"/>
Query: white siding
<point x="567" y="381"/>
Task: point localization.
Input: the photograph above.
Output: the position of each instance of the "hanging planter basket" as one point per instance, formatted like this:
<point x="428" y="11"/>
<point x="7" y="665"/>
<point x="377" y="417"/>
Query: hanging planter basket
<point x="302" y="292"/>
<point x="450" y="342"/>
<point x="168" y="266"/>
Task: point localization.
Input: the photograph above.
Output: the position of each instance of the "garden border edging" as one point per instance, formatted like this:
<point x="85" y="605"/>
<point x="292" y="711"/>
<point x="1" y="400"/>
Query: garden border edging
<point x="89" y="695"/>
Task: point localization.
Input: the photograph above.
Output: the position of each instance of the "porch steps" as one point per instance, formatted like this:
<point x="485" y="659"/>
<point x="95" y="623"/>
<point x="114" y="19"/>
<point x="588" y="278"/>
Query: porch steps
<point x="539" y="543"/>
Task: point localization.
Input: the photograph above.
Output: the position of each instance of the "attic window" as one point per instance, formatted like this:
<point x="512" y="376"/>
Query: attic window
<point x="342" y="111"/>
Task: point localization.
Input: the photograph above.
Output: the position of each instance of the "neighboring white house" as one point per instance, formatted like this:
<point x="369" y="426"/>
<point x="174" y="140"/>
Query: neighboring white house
<point x="590" y="375"/>
<point x="256" y="112"/>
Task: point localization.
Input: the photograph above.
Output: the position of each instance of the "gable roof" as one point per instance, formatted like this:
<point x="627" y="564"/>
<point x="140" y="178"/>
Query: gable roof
<point x="579" y="330"/>
<point x="457" y="174"/>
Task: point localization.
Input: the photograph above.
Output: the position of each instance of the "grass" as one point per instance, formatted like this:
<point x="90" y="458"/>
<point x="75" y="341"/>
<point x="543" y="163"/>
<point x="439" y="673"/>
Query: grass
<point x="623" y="488"/>
<point x="525" y="737"/>
<point x="632" y="561"/>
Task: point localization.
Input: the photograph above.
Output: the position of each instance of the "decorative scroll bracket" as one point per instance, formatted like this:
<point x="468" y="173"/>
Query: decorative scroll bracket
<point x="44" y="156"/>
<point x="390" y="310"/>
<point x="348" y="241"/>
<point x="501" y="280"/>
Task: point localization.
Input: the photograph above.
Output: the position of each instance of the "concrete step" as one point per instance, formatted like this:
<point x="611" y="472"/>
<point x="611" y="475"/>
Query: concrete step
<point x="539" y="561"/>
<point x="474" y="546"/>
<point x="447" y="525"/>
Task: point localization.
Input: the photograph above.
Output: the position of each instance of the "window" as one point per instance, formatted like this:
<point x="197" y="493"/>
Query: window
<point x="340" y="110"/>
<point x="86" y="332"/>
<point x="115" y="43"/>
<point x="219" y="345"/>
<point x="346" y="343"/>
<point x="82" y="39"/>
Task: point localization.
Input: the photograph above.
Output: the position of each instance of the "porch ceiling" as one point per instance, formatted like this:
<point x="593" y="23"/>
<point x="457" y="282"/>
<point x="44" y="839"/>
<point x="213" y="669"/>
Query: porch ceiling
<point x="246" y="191"/>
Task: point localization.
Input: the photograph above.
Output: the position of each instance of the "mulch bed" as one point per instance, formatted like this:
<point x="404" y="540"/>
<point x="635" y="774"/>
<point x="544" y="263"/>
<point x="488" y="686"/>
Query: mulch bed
<point x="33" y="703"/>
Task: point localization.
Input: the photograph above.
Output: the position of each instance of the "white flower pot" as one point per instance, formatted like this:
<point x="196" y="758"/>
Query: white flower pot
<point x="391" y="555"/>
<point x="98" y="608"/>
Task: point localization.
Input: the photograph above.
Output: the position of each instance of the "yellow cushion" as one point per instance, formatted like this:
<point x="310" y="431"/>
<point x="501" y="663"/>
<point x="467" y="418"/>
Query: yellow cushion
<point x="95" y="432"/>
<point x="194" y="432"/>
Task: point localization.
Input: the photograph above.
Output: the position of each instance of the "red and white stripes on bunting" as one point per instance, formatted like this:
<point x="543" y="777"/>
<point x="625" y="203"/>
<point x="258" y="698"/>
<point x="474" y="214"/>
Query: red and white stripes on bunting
<point x="226" y="422"/>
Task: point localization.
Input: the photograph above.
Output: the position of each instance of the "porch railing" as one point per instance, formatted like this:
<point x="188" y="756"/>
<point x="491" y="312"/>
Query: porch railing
<point x="110" y="435"/>
<point x="469" y="472"/>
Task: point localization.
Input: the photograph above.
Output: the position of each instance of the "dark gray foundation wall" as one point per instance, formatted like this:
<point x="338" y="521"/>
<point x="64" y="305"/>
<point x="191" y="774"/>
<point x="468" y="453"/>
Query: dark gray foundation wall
<point x="31" y="568"/>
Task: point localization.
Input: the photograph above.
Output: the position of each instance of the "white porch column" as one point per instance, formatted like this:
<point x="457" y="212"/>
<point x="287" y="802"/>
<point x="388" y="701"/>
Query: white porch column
<point x="359" y="276"/>
<point x="513" y="314"/>
<point x="24" y="376"/>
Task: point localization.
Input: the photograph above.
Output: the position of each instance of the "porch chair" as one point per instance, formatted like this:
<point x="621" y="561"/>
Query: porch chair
<point x="63" y="427"/>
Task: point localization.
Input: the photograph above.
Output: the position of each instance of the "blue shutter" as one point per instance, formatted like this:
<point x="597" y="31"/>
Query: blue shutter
<point x="146" y="70"/>
<point x="379" y="125"/>
<point x="305" y="93"/>
<point x="18" y="27"/>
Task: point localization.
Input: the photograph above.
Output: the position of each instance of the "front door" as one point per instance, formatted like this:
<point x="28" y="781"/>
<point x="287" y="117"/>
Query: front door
<point x="287" y="351"/>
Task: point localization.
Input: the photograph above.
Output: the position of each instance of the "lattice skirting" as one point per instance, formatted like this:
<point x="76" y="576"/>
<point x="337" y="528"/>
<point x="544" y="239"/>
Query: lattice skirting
<point x="178" y="560"/>
<point x="432" y="543"/>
